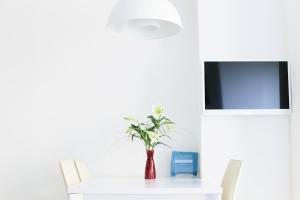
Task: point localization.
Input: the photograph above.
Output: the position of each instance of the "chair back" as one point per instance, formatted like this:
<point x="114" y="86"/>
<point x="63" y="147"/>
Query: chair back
<point x="83" y="171"/>
<point x="230" y="179"/>
<point x="74" y="172"/>
<point x="69" y="172"/>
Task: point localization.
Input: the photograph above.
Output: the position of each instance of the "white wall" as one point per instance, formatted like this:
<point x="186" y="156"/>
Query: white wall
<point x="293" y="21"/>
<point x="66" y="82"/>
<point x="246" y="30"/>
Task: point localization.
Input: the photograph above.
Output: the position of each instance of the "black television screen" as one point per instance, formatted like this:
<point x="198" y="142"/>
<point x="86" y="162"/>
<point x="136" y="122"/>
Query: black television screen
<point x="246" y="85"/>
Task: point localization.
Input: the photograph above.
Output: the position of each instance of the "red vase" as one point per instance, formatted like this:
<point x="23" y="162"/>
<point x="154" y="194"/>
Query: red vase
<point x="150" y="172"/>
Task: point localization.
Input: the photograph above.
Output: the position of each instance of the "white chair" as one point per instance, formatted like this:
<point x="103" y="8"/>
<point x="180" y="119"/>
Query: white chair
<point x="230" y="179"/>
<point x="74" y="172"/>
<point x="82" y="170"/>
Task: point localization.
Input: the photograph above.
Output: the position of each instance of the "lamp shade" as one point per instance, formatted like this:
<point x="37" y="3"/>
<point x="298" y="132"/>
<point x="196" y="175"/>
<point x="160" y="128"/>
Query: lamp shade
<point x="145" y="19"/>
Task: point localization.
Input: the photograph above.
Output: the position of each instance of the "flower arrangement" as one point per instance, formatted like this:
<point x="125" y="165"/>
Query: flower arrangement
<point x="151" y="132"/>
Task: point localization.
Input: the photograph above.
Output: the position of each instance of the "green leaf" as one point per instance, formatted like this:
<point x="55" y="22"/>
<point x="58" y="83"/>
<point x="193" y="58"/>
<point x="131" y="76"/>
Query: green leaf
<point x="162" y="144"/>
<point x="154" y="121"/>
<point x="167" y="136"/>
<point x="151" y="128"/>
<point x="134" y="136"/>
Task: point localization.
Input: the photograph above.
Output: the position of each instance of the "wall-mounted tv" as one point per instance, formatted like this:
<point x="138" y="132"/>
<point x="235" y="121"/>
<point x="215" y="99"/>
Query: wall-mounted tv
<point x="247" y="85"/>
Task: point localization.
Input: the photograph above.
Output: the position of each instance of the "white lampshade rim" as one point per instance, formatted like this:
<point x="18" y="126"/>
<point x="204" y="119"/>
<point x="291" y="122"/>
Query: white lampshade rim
<point x="155" y="22"/>
<point x="117" y="28"/>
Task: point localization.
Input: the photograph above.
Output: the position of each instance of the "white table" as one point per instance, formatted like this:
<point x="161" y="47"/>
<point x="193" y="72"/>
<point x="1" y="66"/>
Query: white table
<point x="140" y="189"/>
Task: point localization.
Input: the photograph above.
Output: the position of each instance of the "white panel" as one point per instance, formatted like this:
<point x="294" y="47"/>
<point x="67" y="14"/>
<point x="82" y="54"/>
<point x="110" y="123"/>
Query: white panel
<point x="293" y="21"/>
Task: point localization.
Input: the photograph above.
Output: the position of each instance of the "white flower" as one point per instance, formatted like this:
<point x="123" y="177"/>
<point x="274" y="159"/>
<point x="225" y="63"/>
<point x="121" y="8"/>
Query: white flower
<point x="130" y="118"/>
<point x="158" y="111"/>
<point x="154" y="137"/>
<point x="171" y="127"/>
<point x="130" y="131"/>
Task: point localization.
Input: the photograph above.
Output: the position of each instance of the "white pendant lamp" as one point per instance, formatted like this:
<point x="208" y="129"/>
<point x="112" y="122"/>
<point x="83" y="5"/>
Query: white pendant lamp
<point x="145" y="19"/>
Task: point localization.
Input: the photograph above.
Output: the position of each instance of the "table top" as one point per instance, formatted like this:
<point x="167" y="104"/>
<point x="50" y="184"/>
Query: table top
<point x="136" y="186"/>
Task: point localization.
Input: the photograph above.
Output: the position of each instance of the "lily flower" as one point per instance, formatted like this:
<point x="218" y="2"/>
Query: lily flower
<point x="158" y="111"/>
<point x="130" y="118"/>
